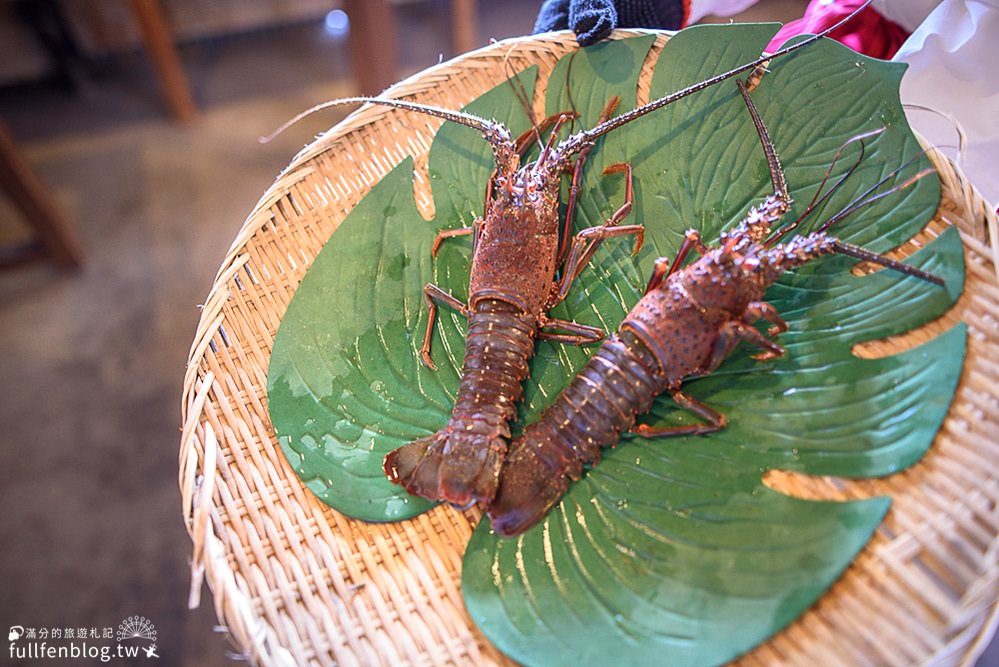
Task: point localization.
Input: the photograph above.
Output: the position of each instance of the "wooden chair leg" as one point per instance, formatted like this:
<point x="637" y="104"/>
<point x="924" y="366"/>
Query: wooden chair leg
<point x="464" y="28"/>
<point x="160" y="46"/>
<point x="55" y="234"/>
<point x="372" y="43"/>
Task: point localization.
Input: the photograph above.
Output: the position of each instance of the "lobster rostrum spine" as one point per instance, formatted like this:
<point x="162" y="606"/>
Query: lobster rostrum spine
<point x="688" y="321"/>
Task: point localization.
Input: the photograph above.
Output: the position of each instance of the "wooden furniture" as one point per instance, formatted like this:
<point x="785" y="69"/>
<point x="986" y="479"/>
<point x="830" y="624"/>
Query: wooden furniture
<point x="55" y="236"/>
<point x="158" y="42"/>
<point x="372" y="42"/>
<point x="374" y="33"/>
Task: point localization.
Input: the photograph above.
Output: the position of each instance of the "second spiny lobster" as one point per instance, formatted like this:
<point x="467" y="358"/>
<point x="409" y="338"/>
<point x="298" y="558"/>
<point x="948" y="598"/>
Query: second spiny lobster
<point x="689" y="320"/>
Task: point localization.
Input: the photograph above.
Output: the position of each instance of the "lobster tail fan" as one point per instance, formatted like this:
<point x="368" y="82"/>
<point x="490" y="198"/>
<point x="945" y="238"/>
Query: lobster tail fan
<point x="528" y="490"/>
<point x="459" y="468"/>
<point x="416" y="465"/>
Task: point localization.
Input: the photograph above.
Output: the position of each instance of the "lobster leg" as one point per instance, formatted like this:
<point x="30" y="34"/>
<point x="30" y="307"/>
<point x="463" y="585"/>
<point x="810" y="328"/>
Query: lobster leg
<point x="761" y="310"/>
<point x="524" y="142"/>
<point x="663" y="270"/>
<point x="571" y="332"/>
<point x="715" y="420"/>
<point x="691" y="241"/>
<point x="730" y="333"/>
<point x="447" y="234"/>
<point x="583" y="247"/>
<point x="474" y="230"/>
<point x="586" y="242"/>
<point x="577" y="177"/>
<point x="729" y="336"/>
<point x="433" y="295"/>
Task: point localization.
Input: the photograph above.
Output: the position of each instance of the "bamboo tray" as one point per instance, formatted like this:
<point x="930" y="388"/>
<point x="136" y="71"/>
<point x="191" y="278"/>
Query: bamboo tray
<point x="295" y="582"/>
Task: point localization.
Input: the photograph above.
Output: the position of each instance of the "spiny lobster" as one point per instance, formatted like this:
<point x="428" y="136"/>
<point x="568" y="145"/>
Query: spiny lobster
<point x="686" y="324"/>
<point x="523" y="264"/>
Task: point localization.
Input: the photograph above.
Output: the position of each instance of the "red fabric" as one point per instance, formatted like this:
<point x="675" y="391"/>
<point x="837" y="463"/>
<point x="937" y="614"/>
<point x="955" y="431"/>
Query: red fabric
<point x="686" y="14"/>
<point x="869" y="33"/>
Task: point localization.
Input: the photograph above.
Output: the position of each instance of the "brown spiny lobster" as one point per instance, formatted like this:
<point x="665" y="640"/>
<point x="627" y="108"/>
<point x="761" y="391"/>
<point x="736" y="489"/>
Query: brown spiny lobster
<point x="519" y="247"/>
<point x="686" y="324"/>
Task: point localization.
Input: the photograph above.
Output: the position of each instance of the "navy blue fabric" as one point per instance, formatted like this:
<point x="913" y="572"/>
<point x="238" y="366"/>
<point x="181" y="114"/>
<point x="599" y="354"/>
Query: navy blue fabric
<point x="592" y="20"/>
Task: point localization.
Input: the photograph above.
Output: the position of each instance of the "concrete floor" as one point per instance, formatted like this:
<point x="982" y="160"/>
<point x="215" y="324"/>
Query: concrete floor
<point x="91" y="530"/>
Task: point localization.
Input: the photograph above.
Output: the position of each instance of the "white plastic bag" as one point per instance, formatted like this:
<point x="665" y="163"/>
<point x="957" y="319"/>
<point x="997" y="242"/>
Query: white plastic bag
<point x="953" y="55"/>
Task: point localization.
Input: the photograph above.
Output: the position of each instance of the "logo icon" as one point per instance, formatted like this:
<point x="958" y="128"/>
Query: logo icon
<point x="136" y="627"/>
<point x="15" y="632"/>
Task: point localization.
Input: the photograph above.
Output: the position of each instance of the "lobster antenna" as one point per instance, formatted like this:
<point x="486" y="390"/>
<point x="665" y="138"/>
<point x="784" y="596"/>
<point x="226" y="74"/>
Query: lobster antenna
<point x="962" y="138"/>
<point x="860" y="202"/>
<point x="851" y="250"/>
<point x="521" y="93"/>
<point x="773" y="161"/>
<point x="484" y="126"/>
<point x="577" y="141"/>
<point x="568" y="88"/>
<point x="865" y="199"/>
<point x="844" y="248"/>
<point x="820" y="196"/>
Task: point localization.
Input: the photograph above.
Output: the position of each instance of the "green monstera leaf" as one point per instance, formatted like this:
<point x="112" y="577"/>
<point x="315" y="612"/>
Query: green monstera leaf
<point x="670" y="551"/>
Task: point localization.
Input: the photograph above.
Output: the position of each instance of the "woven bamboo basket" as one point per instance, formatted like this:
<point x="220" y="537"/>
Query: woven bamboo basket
<point x="295" y="582"/>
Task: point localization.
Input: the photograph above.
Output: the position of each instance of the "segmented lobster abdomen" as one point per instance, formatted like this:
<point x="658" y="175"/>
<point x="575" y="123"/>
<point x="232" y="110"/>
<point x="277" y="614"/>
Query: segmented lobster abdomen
<point x="498" y="347"/>
<point x="461" y="462"/>
<point x="618" y="383"/>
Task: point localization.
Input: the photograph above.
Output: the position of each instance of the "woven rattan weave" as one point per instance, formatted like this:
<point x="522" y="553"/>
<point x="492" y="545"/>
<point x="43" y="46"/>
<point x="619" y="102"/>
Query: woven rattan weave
<point x="295" y="583"/>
